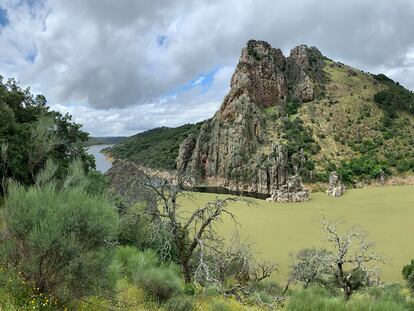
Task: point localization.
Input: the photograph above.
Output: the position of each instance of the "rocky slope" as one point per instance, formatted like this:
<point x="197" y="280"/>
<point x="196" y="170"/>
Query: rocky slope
<point x="300" y="117"/>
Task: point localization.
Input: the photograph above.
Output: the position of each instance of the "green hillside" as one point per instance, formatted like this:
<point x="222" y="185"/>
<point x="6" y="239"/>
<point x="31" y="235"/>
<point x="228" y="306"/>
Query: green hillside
<point x="156" y="148"/>
<point x="105" y="140"/>
<point x="360" y="124"/>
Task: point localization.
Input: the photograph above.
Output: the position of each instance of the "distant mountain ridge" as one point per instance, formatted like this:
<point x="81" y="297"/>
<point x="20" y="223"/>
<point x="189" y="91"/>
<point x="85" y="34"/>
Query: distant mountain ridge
<point x="105" y="140"/>
<point x="304" y="114"/>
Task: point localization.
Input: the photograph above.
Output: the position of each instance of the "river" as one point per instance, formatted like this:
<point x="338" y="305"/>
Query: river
<point x="102" y="162"/>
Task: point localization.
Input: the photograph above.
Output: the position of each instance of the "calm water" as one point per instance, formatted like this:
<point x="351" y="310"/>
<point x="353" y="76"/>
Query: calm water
<point x="102" y="163"/>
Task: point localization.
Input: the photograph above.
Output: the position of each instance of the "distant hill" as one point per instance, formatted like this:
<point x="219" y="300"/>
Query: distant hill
<point x="105" y="140"/>
<point x="156" y="148"/>
<point x="302" y="114"/>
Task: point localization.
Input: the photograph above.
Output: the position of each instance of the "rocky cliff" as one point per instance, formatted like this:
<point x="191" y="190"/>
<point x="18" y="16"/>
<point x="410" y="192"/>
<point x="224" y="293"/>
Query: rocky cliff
<point x="287" y="119"/>
<point x="228" y="147"/>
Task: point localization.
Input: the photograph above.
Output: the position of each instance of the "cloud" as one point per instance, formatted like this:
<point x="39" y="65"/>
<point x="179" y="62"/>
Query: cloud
<point x="126" y="66"/>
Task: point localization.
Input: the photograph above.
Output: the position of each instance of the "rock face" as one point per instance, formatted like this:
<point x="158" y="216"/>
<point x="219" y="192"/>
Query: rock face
<point x="335" y="188"/>
<point x="292" y="191"/>
<point x="228" y="149"/>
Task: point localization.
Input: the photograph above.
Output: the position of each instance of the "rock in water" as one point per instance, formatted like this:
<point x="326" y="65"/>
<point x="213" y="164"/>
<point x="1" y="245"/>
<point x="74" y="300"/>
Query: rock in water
<point x="335" y="188"/>
<point x="292" y="191"/>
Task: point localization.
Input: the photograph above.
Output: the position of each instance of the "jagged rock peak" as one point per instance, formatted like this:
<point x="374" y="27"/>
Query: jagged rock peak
<point x="228" y="150"/>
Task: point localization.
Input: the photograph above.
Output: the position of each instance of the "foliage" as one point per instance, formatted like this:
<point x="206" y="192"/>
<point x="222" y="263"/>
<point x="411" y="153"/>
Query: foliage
<point x="156" y="148"/>
<point x="160" y="281"/>
<point x="219" y="305"/>
<point x="362" y="168"/>
<point x="34" y="133"/>
<point x="320" y="299"/>
<point x="348" y="266"/>
<point x="57" y="234"/>
<point x="292" y="107"/>
<point x="97" y="183"/>
<point x="138" y="229"/>
<point x="394" y="98"/>
<point x="299" y="137"/>
<point x="408" y="274"/>
<point x="180" y="303"/>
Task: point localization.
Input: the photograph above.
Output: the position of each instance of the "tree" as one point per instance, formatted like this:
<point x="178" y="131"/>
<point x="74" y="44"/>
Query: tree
<point x="57" y="235"/>
<point x="349" y="264"/>
<point x="35" y="133"/>
<point x="408" y="274"/>
<point x="188" y="234"/>
<point x="200" y="250"/>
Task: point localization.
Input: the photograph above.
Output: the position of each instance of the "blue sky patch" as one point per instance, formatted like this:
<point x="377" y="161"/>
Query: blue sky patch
<point x="162" y="40"/>
<point x="31" y="56"/>
<point x="203" y="82"/>
<point x="4" y="19"/>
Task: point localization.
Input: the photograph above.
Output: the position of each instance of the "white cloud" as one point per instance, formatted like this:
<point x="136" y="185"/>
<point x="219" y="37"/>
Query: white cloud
<point x="119" y="66"/>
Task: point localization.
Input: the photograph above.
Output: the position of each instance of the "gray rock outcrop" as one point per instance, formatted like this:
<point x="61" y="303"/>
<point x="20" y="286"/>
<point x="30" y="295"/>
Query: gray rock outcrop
<point x="292" y="191"/>
<point x="229" y="148"/>
<point x="335" y="187"/>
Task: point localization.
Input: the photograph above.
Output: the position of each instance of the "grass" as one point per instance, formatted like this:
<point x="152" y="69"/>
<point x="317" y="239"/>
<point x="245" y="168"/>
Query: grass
<point x="278" y="230"/>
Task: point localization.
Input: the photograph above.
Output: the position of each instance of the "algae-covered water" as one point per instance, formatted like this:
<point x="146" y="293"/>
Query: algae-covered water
<point x="280" y="229"/>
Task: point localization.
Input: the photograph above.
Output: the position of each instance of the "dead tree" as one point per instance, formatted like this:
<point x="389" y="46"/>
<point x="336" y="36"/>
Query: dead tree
<point x="190" y="232"/>
<point x="350" y="262"/>
<point x="353" y="259"/>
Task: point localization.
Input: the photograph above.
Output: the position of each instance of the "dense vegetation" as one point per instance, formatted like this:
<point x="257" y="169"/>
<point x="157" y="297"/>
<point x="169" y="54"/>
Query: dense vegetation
<point x="156" y="148"/>
<point x="30" y="133"/>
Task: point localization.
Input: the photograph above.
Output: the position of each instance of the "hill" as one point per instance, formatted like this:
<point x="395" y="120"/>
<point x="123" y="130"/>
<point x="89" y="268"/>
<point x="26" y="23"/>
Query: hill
<point x="302" y="115"/>
<point x="109" y="140"/>
<point x="156" y="148"/>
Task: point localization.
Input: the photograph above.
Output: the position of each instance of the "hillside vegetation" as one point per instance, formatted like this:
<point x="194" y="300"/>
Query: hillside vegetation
<point x="360" y="125"/>
<point x="104" y="140"/>
<point x="156" y="148"/>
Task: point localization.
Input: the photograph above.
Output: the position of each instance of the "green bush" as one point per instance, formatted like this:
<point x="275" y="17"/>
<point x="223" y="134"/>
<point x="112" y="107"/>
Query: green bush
<point x="56" y="238"/>
<point x="315" y="299"/>
<point x="161" y="283"/>
<point x="180" y="303"/>
<point x="373" y="299"/>
<point x="159" y="280"/>
<point x="408" y="274"/>
<point x="361" y="168"/>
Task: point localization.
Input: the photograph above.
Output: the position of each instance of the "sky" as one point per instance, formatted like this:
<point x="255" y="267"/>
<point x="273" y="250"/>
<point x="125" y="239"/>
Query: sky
<point x="124" y="66"/>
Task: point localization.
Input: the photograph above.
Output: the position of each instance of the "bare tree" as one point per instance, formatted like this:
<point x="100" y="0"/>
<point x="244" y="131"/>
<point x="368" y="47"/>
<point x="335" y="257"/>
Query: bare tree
<point x="192" y="232"/>
<point x="233" y="259"/>
<point x="349" y="264"/>
<point x="311" y="266"/>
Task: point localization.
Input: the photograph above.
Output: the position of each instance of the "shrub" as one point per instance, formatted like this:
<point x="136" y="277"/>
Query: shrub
<point x="180" y="303"/>
<point x="315" y="299"/>
<point x="408" y="274"/>
<point x="58" y="237"/>
<point x="138" y="230"/>
<point x="219" y="306"/>
<point x="160" y="281"/>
